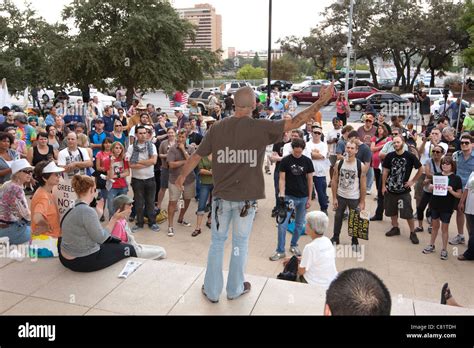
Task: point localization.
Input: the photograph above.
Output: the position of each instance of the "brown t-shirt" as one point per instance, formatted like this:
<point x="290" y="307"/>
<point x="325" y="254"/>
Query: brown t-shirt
<point x="238" y="147"/>
<point x="163" y="150"/>
<point x="175" y="154"/>
<point x="366" y="136"/>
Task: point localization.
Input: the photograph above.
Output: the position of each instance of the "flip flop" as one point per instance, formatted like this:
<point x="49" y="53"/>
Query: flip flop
<point x="196" y="232"/>
<point x="445" y="293"/>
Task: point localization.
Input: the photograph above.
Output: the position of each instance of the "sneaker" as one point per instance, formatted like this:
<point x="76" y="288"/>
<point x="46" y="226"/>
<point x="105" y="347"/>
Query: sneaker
<point x="419" y="229"/>
<point x="155" y="227"/>
<point x="376" y="218"/>
<point x="429" y="249"/>
<point x="277" y="256"/>
<point x="247" y="288"/>
<point x="274" y="212"/>
<point x="170" y="231"/>
<point x="335" y="240"/>
<point x="295" y="250"/>
<point x="184" y="223"/>
<point x="444" y="255"/>
<point x="136" y="228"/>
<point x="394" y="231"/>
<point x="430" y="229"/>
<point x="414" y="238"/>
<point x="459" y="239"/>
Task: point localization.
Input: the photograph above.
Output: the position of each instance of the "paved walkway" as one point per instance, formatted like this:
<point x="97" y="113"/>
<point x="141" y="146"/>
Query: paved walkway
<point x="407" y="272"/>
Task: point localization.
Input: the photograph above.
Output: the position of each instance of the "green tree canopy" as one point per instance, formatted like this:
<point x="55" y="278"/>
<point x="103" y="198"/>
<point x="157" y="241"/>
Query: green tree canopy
<point x="248" y="72"/>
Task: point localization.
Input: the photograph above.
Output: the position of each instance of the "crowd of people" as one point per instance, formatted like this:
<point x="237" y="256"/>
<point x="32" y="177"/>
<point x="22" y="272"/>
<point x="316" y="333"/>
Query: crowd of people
<point x="117" y="149"/>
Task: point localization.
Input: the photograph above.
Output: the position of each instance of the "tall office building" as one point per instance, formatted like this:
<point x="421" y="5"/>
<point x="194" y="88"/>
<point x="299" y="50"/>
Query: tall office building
<point x="208" y="26"/>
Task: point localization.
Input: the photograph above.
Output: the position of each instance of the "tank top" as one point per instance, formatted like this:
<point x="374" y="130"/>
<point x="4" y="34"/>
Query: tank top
<point x="37" y="157"/>
<point x="348" y="186"/>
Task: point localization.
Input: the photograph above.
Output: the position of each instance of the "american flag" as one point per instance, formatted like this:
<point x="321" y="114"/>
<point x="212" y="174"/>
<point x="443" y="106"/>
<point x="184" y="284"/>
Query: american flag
<point x="185" y="100"/>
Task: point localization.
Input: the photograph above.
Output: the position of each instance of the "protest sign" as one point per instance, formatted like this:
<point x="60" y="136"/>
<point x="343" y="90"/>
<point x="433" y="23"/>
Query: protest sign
<point x="440" y="185"/>
<point x="358" y="227"/>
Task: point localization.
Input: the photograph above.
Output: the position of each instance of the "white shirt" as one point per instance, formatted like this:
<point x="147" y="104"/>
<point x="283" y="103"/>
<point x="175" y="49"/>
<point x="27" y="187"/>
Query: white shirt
<point x="427" y="152"/>
<point x="67" y="156"/>
<point x="469" y="205"/>
<point x="144" y="173"/>
<point x="321" y="166"/>
<point x="319" y="261"/>
<point x="331" y="136"/>
<point x="288" y="150"/>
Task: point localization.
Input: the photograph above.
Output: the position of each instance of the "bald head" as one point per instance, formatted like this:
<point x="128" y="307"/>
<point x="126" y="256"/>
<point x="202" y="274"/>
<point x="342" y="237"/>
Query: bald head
<point x="245" y="98"/>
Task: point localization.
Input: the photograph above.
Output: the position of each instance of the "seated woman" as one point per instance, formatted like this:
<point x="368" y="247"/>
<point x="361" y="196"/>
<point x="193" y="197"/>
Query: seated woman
<point x="85" y="246"/>
<point x="45" y="229"/>
<point x="123" y="203"/>
<point x="15" y="215"/>
<point x="7" y="156"/>
<point x="317" y="265"/>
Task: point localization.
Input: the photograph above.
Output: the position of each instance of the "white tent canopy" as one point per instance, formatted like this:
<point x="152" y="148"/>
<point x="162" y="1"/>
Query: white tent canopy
<point x="4" y="95"/>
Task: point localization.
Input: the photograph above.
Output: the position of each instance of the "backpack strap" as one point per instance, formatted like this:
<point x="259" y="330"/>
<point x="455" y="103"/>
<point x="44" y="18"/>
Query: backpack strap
<point x="67" y="213"/>
<point x="359" y="167"/>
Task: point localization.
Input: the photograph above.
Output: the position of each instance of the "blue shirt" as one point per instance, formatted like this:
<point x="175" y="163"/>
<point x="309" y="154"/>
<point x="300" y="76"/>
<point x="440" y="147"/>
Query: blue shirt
<point x="49" y="120"/>
<point x="71" y="118"/>
<point x="96" y="138"/>
<point x="464" y="167"/>
<point x="109" y="123"/>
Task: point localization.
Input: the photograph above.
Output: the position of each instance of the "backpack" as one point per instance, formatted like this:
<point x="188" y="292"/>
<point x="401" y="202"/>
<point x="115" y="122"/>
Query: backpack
<point x="359" y="168"/>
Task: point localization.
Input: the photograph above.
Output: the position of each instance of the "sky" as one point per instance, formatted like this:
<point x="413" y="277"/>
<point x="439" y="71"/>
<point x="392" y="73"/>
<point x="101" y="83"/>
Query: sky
<point x="244" y="22"/>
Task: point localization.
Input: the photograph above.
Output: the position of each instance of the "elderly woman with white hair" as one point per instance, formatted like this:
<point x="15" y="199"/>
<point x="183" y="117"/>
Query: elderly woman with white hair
<point x="317" y="265"/>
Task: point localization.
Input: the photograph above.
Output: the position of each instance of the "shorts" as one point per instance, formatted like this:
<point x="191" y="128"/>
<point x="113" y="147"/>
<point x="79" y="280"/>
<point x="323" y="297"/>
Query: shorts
<point x="394" y="203"/>
<point x="165" y="172"/>
<point x="332" y="160"/>
<point x="188" y="193"/>
<point x="425" y="119"/>
<point x="445" y="217"/>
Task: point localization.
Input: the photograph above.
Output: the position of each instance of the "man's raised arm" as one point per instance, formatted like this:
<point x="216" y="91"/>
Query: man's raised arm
<point x="325" y="95"/>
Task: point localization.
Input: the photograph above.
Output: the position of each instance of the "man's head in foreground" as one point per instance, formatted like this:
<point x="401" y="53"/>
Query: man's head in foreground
<point x="357" y="291"/>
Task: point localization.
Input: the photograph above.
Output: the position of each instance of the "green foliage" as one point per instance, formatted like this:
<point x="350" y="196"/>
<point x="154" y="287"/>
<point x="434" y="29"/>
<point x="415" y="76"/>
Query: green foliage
<point x="467" y="23"/>
<point x="284" y="69"/>
<point x="248" y="72"/>
<point x="256" y="62"/>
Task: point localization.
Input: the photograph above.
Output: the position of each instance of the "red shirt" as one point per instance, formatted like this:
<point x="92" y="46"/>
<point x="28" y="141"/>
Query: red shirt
<point x="119" y="167"/>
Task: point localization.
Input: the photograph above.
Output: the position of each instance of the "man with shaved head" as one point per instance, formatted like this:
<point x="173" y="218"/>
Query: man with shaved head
<point x="237" y="145"/>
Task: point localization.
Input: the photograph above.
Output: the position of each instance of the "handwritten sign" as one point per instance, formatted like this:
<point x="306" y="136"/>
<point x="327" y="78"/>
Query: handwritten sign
<point x="440" y="185"/>
<point x="65" y="195"/>
<point x="358" y="227"/>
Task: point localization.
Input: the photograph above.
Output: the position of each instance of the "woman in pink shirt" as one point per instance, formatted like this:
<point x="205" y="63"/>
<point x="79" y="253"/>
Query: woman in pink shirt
<point x="377" y="142"/>
<point x="121" y="230"/>
<point x="342" y="108"/>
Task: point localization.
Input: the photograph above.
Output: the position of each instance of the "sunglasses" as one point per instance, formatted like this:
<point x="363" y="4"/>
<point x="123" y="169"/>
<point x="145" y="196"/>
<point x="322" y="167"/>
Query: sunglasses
<point x="369" y="121"/>
<point x="317" y="133"/>
<point x="118" y="125"/>
<point x="395" y="134"/>
<point x="27" y="171"/>
<point x="465" y="143"/>
<point x="437" y="151"/>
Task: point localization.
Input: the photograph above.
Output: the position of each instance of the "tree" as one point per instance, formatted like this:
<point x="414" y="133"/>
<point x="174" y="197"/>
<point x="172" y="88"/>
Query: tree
<point x="139" y="45"/>
<point x="248" y="72"/>
<point x="467" y="24"/>
<point x="26" y="44"/>
<point x="256" y="62"/>
<point x="284" y="69"/>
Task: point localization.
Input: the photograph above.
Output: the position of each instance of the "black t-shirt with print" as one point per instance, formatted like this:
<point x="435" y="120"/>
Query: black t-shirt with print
<point x="296" y="170"/>
<point x="400" y="168"/>
<point x="446" y="204"/>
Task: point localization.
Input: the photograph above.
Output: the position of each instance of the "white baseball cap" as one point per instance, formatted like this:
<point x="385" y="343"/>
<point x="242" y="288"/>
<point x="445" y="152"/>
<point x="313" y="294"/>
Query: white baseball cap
<point x="52" y="168"/>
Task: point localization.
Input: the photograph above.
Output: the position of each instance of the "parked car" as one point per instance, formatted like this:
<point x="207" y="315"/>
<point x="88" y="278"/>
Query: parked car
<point x="282" y="85"/>
<point x="232" y="87"/>
<point x="358" y="83"/>
<point x="379" y="101"/>
<point x="361" y="92"/>
<point x="300" y="86"/>
<point x="386" y="84"/>
<point x="434" y="94"/>
<point x="438" y="106"/>
<point x="201" y="97"/>
<point x="104" y="100"/>
<point x="311" y="94"/>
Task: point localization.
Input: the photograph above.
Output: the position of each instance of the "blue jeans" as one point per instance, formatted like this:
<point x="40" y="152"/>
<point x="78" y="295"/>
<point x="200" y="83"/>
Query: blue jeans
<point x="18" y="232"/>
<point x="203" y="197"/>
<point x="300" y="210"/>
<point x="227" y="213"/>
<point x="114" y="192"/>
<point x="321" y="186"/>
<point x="370" y="179"/>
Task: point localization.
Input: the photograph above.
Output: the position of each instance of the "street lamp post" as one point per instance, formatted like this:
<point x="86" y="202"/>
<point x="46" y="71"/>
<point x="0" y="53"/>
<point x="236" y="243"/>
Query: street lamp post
<point x="269" y="60"/>
<point x="349" y="46"/>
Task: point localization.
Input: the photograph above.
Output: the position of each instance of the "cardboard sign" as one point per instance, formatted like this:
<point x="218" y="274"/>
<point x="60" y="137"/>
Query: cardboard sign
<point x="358" y="227"/>
<point x="65" y="195"/>
<point x="440" y="185"/>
